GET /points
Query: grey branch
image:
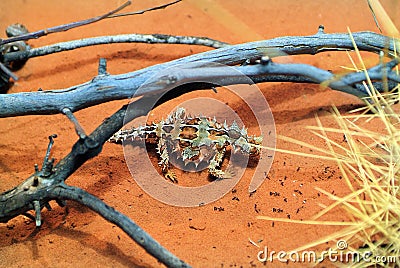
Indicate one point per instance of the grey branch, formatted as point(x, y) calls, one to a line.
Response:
point(123, 38)
point(127, 225)
point(104, 88)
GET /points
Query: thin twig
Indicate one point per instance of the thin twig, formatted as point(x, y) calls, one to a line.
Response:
point(144, 10)
point(373, 15)
point(64, 27)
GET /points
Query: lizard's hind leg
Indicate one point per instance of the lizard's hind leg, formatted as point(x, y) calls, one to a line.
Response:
point(214, 167)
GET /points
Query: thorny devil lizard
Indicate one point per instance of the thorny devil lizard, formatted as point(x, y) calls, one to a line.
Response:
point(193, 140)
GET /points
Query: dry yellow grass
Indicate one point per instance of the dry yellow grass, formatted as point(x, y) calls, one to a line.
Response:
point(370, 165)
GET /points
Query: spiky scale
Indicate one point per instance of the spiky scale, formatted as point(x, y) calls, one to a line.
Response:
point(189, 153)
point(225, 125)
point(243, 132)
point(235, 126)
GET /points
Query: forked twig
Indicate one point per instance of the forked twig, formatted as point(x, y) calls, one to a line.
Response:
point(61, 28)
point(69, 26)
point(145, 10)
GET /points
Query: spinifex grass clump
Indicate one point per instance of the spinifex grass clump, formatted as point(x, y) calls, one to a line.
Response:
point(370, 164)
point(371, 167)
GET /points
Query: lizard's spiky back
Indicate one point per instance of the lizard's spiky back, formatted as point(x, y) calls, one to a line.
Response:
point(193, 140)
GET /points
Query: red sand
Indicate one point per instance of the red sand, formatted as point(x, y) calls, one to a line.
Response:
point(202, 236)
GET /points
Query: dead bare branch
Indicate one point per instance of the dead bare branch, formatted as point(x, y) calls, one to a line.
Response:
point(123, 38)
point(105, 88)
